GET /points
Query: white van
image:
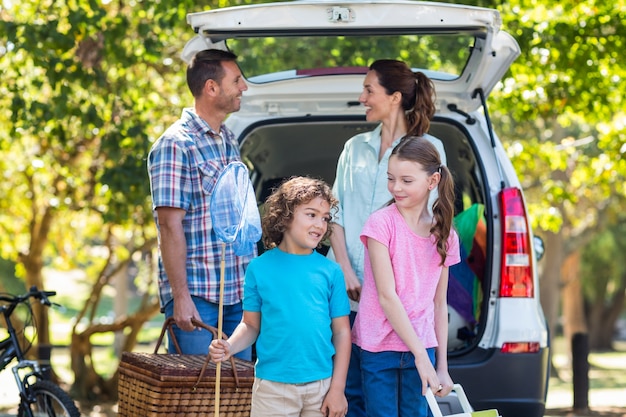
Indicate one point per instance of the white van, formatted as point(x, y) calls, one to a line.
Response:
point(305, 61)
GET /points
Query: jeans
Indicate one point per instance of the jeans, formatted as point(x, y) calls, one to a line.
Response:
point(354, 386)
point(197, 342)
point(391, 384)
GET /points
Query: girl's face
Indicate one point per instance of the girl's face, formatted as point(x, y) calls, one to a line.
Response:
point(378, 104)
point(308, 227)
point(409, 183)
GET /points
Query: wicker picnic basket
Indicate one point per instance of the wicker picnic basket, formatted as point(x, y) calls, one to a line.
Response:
point(153, 384)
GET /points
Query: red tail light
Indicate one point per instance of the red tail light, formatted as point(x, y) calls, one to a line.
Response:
point(520, 347)
point(517, 260)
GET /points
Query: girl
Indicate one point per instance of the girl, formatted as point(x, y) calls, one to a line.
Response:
point(296, 309)
point(402, 322)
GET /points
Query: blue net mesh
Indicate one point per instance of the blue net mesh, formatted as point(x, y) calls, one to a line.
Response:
point(234, 211)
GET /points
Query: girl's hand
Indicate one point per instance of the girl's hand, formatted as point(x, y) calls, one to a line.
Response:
point(445, 382)
point(219, 350)
point(427, 373)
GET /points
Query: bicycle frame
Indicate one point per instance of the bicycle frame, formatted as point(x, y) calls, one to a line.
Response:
point(10, 349)
point(37, 395)
point(24, 381)
point(7, 352)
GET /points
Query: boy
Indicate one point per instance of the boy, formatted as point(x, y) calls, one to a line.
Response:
point(296, 309)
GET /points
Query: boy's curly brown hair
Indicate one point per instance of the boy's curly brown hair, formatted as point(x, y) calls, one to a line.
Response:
point(280, 206)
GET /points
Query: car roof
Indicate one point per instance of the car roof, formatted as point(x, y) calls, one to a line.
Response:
point(461, 48)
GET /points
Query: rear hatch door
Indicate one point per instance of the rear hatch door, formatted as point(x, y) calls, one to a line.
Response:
point(310, 56)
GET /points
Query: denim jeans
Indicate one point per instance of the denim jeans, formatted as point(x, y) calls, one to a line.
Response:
point(354, 385)
point(391, 384)
point(197, 342)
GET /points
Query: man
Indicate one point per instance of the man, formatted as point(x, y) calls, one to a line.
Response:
point(183, 165)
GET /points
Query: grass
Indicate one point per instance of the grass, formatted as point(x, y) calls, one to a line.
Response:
point(72, 290)
point(72, 298)
point(607, 372)
point(607, 380)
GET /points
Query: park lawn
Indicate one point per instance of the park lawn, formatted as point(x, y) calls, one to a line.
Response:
point(607, 377)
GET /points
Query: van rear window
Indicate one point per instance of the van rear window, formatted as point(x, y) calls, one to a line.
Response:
point(442, 56)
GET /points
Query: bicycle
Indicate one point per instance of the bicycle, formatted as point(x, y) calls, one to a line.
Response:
point(38, 396)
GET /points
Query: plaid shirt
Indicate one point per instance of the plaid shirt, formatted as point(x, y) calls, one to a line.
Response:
point(184, 164)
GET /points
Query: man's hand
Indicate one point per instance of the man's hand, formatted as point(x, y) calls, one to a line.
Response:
point(184, 311)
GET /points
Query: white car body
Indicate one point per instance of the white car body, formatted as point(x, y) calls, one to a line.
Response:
point(294, 121)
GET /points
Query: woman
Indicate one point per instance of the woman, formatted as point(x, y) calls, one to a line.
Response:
point(403, 102)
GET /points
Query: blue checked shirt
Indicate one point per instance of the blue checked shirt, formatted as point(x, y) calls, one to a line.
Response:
point(183, 165)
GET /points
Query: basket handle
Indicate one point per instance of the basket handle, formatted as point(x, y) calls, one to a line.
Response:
point(167, 326)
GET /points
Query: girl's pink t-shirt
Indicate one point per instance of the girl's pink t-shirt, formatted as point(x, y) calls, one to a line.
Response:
point(417, 269)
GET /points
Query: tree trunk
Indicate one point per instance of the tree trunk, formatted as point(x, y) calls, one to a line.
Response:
point(88, 384)
point(33, 264)
point(574, 320)
point(549, 281)
point(120, 305)
point(603, 317)
point(575, 330)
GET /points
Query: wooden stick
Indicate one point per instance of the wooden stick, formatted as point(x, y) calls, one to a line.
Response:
point(220, 320)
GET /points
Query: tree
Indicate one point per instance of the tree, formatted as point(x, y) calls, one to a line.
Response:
point(561, 115)
point(86, 88)
point(604, 282)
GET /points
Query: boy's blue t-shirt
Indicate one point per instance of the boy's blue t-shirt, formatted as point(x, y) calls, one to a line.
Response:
point(297, 296)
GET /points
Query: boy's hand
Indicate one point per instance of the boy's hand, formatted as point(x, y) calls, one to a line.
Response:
point(219, 350)
point(335, 404)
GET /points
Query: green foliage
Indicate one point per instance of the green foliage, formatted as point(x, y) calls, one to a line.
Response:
point(89, 86)
point(9, 283)
point(560, 110)
point(265, 55)
point(601, 273)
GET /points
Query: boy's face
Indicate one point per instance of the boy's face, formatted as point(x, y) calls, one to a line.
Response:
point(308, 227)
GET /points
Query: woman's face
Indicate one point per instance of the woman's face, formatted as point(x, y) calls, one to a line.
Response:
point(378, 104)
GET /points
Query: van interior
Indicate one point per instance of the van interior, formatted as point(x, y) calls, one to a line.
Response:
point(278, 149)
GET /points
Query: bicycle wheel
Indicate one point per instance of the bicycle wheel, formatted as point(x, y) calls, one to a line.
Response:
point(50, 400)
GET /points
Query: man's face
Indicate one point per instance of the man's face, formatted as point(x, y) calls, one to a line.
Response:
point(231, 88)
